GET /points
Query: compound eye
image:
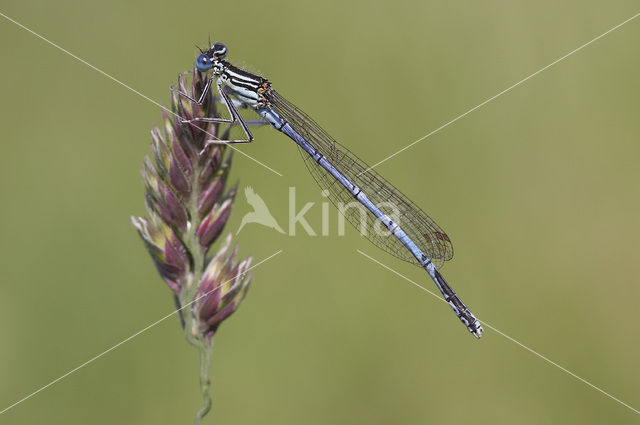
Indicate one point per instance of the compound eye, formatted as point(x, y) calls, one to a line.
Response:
point(203, 63)
point(219, 50)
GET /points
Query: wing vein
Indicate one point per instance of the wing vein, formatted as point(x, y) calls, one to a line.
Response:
point(424, 232)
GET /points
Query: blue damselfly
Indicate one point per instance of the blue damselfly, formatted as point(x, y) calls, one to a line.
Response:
point(411, 234)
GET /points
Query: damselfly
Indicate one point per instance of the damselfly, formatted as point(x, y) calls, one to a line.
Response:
point(410, 234)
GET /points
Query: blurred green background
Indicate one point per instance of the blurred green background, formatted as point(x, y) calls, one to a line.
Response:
point(538, 191)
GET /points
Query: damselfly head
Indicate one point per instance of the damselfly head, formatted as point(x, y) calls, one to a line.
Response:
point(217, 51)
point(208, 59)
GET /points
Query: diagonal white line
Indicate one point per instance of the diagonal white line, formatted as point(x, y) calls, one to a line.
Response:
point(503, 91)
point(91, 360)
point(531, 350)
point(128, 87)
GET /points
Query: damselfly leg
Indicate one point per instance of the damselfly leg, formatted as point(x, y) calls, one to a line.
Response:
point(235, 117)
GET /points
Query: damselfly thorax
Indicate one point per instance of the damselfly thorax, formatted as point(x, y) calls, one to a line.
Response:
point(248, 88)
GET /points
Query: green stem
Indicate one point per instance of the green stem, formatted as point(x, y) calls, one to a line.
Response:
point(206, 349)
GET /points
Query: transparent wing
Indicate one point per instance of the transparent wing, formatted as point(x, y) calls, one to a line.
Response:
point(424, 232)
